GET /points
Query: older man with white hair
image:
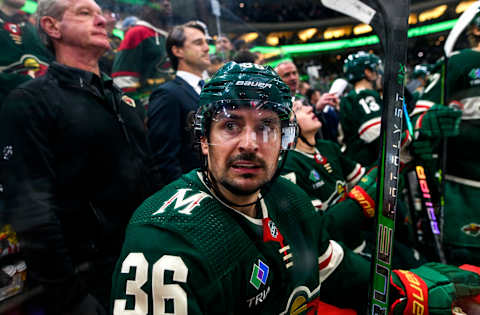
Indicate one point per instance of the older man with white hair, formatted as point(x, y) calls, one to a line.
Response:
point(75, 163)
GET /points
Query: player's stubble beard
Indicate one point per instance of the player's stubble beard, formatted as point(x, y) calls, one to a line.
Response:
point(230, 185)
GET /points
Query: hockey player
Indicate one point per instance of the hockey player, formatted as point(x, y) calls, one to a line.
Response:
point(360, 110)
point(434, 120)
point(233, 238)
point(23, 55)
point(334, 183)
point(141, 63)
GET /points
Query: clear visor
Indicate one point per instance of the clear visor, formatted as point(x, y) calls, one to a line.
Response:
point(252, 124)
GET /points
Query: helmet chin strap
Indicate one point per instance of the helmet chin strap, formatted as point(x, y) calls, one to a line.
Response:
point(300, 135)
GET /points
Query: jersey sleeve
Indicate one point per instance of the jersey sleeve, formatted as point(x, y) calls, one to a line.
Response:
point(151, 277)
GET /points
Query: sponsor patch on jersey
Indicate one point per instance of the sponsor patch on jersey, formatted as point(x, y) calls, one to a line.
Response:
point(259, 274)
point(472, 229)
point(314, 176)
point(474, 74)
point(130, 102)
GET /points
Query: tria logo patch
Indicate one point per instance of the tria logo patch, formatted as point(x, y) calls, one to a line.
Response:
point(474, 73)
point(259, 274)
point(314, 176)
point(472, 229)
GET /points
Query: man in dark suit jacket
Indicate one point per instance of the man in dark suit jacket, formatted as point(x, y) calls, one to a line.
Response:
point(174, 102)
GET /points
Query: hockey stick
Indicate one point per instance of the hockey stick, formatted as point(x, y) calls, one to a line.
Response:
point(389, 19)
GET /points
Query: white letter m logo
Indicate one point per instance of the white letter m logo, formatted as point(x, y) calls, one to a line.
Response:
point(187, 204)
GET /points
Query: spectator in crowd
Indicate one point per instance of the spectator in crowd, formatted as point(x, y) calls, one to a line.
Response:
point(260, 58)
point(75, 163)
point(172, 104)
point(23, 55)
point(287, 70)
point(245, 55)
point(303, 88)
point(141, 63)
point(215, 63)
point(224, 48)
point(106, 62)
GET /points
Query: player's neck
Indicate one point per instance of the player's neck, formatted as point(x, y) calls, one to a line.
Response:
point(364, 84)
point(304, 147)
point(251, 210)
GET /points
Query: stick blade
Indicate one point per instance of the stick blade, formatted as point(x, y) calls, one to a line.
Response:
point(461, 24)
point(354, 8)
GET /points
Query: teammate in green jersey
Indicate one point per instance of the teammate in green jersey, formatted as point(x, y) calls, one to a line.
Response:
point(360, 110)
point(460, 124)
point(233, 238)
point(334, 183)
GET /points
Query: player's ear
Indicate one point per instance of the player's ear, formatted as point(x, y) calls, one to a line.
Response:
point(51, 27)
point(204, 145)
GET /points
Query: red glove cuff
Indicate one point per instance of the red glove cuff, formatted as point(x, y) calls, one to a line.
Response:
point(416, 292)
point(475, 269)
point(364, 200)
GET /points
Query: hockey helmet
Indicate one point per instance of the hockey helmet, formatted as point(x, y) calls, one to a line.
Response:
point(246, 85)
point(420, 71)
point(355, 64)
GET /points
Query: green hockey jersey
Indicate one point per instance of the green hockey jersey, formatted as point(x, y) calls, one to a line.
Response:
point(360, 117)
point(141, 63)
point(325, 176)
point(23, 55)
point(462, 174)
point(187, 252)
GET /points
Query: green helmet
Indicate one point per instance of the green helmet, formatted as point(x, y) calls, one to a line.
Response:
point(355, 64)
point(421, 70)
point(246, 85)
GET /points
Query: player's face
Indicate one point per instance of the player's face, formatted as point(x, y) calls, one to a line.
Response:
point(289, 74)
point(243, 149)
point(84, 26)
point(306, 118)
point(223, 44)
point(195, 49)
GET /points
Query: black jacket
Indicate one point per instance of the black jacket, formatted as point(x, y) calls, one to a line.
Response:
point(75, 167)
point(170, 113)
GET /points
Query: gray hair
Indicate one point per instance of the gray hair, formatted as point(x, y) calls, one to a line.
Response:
point(53, 8)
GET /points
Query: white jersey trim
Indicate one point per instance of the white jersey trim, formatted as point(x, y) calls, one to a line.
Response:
point(335, 253)
point(463, 181)
point(291, 177)
point(355, 176)
point(369, 131)
point(126, 82)
point(421, 106)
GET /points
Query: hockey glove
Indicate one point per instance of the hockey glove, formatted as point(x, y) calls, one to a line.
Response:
point(365, 192)
point(439, 121)
point(432, 289)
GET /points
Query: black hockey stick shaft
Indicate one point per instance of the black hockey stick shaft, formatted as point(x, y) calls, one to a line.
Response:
point(389, 19)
